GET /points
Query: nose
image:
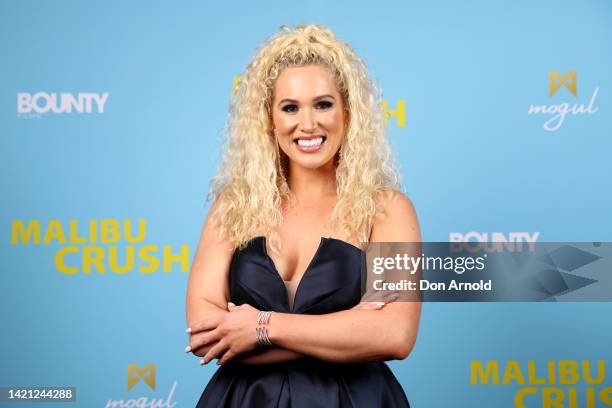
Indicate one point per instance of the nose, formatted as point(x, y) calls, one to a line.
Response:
point(308, 121)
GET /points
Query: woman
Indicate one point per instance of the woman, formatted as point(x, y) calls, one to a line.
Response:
point(275, 288)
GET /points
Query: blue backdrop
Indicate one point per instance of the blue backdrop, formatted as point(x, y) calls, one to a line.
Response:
point(482, 142)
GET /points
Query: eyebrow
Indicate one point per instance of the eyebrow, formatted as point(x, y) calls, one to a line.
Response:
point(314, 99)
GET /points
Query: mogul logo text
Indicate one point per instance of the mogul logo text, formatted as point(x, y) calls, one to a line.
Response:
point(558, 112)
point(65, 102)
point(147, 374)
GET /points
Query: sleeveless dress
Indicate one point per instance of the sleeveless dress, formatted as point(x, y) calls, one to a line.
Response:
point(331, 282)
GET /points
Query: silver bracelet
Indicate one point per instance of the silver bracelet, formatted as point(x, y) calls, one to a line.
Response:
point(261, 330)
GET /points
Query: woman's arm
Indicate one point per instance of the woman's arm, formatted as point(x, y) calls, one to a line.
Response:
point(275, 354)
point(349, 335)
point(207, 287)
point(208, 293)
point(358, 335)
point(270, 355)
point(267, 355)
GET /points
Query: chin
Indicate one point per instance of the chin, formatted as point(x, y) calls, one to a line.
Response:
point(313, 163)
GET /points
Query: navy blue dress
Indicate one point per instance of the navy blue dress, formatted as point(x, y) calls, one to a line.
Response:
point(331, 282)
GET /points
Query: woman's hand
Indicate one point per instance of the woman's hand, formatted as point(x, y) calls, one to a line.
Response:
point(195, 340)
point(226, 336)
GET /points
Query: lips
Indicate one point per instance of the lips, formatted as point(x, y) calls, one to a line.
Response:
point(312, 142)
point(308, 138)
point(309, 144)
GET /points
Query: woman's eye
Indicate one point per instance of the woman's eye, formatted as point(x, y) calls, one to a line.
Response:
point(321, 105)
point(289, 108)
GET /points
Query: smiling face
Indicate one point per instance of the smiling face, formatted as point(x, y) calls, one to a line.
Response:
point(309, 116)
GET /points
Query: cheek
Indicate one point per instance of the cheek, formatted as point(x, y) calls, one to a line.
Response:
point(335, 121)
point(284, 124)
point(284, 143)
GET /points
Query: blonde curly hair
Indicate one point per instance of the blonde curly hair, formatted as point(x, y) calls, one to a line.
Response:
point(250, 187)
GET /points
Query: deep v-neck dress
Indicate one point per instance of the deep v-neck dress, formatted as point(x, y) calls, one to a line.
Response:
point(330, 283)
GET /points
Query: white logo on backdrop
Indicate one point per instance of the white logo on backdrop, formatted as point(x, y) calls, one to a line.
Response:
point(556, 82)
point(144, 402)
point(65, 102)
point(559, 111)
point(495, 241)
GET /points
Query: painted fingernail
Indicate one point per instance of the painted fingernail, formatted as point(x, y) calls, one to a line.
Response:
point(187, 349)
point(188, 330)
point(230, 304)
point(202, 362)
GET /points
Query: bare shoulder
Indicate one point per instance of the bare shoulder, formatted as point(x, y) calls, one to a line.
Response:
point(211, 238)
point(214, 207)
point(398, 222)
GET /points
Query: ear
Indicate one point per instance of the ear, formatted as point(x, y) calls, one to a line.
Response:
point(347, 116)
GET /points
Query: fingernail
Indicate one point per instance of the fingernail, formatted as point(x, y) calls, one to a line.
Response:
point(188, 330)
point(202, 362)
point(230, 304)
point(187, 349)
point(380, 303)
point(218, 362)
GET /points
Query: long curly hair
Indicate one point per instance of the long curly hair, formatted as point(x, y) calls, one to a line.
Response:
point(250, 187)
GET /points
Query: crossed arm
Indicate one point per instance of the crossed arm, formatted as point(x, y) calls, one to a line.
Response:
point(345, 336)
point(200, 346)
point(368, 332)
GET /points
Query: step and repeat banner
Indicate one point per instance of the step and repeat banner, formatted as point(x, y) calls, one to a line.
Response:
point(111, 113)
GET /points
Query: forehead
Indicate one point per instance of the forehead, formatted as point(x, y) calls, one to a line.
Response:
point(303, 82)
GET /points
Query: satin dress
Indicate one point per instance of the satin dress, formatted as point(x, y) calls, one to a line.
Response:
point(331, 282)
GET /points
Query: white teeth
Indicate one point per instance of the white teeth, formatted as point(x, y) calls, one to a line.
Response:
point(311, 142)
